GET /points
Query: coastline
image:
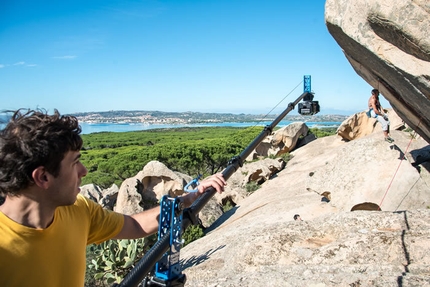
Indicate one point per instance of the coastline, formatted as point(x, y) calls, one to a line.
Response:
point(89, 128)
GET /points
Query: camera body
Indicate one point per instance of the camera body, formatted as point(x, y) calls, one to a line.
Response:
point(308, 106)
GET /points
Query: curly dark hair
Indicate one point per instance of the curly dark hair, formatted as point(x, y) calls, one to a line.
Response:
point(32, 138)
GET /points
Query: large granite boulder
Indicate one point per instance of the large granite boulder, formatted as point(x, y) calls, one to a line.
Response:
point(281, 141)
point(360, 248)
point(359, 125)
point(144, 190)
point(388, 45)
point(332, 246)
point(130, 195)
point(105, 197)
point(258, 172)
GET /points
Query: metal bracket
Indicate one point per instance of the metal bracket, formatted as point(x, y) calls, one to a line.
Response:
point(168, 266)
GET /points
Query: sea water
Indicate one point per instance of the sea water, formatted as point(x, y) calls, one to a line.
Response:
point(88, 128)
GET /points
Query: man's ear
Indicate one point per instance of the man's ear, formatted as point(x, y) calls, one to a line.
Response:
point(41, 177)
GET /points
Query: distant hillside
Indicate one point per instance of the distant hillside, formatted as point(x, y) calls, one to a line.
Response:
point(192, 117)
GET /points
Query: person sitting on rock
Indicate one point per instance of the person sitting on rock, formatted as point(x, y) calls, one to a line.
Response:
point(45, 223)
point(377, 112)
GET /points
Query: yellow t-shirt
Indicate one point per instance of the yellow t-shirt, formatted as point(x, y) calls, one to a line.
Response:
point(55, 256)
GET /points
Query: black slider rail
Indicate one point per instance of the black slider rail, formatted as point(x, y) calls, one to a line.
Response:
point(151, 257)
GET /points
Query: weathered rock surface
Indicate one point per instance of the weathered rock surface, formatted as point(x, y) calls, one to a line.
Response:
point(388, 45)
point(360, 248)
point(105, 197)
point(359, 125)
point(144, 190)
point(257, 172)
point(281, 141)
point(258, 243)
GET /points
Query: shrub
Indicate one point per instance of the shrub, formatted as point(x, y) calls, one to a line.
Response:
point(251, 186)
point(286, 157)
point(227, 206)
point(111, 260)
point(90, 281)
point(192, 233)
point(319, 133)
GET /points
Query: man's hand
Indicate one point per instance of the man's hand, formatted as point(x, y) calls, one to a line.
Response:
point(145, 223)
point(216, 181)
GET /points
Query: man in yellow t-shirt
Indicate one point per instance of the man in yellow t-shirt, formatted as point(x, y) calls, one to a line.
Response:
point(45, 224)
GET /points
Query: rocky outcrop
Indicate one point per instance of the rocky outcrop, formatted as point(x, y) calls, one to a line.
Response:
point(146, 189)
point(285, 139)
point(333, 246)
point(388, 45)
point(160, 180)
point(360, 248)
point(360, 125)
point(105, 197)
point(281, 141)
point(383, 242)
point(257, 172)
point(130, 196)
point(210, 213)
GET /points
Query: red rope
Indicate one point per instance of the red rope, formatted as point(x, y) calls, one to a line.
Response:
point(404, 154)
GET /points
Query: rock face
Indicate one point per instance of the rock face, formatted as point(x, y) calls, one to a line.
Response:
point(258, 243)
point(257, 172)
point(281, 141)
point(360, 248)
point(388, 45)
point(144, 190)
point(359, 125)
point(106, 198)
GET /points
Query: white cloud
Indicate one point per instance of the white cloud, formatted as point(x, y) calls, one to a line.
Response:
point(65, 57)
point(22, 63)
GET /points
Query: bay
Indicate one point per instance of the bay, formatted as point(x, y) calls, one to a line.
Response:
point(88, 128)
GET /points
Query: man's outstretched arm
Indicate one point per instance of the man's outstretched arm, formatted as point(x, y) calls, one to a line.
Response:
point(145, 223)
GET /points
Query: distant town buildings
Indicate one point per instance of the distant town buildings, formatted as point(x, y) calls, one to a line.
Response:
point(157, 117)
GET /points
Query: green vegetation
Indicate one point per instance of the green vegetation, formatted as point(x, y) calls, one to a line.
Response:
point(411, 132)
point(286, 157)
point(319, 133)
point(110, 261)
point(112, 157)
point(192, 233)
point(90, 273)
point(252, 186)
point(227, 206)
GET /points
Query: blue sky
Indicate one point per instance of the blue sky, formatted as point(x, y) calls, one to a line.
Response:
point(201, 56)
